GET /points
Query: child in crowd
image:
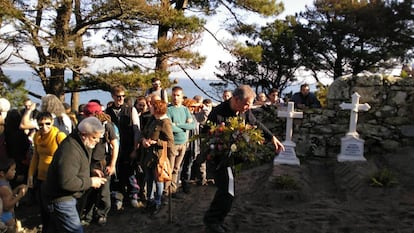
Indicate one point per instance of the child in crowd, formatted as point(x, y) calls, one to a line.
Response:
point(10, 197)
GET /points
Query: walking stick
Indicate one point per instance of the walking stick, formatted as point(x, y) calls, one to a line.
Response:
point(169, 205)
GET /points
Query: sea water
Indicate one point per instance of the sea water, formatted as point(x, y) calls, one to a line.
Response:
point(201, 87)
point(33, 84)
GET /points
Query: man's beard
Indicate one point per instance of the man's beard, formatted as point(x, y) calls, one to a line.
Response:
point(88, 144)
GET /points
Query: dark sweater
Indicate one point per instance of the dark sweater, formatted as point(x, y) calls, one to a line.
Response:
point(69, 173)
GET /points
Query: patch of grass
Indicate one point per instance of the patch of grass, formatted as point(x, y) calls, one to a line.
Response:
point(285, 182)
point(383, 178)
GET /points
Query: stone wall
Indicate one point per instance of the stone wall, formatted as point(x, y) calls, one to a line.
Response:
point(388, 125)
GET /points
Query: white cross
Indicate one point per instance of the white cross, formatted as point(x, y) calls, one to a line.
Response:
point(355, 107)
point(290, 114)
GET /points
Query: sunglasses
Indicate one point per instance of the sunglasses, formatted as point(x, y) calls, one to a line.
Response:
point(120, 96)
point(46, 123)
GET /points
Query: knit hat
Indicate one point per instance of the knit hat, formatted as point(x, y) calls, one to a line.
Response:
point(92, 108)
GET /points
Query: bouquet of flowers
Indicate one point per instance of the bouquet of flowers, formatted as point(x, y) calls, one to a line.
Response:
point(233, 137)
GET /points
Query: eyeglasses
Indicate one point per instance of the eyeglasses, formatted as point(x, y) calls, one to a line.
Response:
point(43, 124)
point(156, 83)
point(120, 96)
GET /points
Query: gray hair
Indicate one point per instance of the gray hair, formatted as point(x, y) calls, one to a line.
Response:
point(51, 103)
point(243, 92)
point(90, 125)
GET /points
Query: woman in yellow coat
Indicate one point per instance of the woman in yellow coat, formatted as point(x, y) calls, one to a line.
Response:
point(46, 141)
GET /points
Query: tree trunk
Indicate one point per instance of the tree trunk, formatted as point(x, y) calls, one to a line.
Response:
point(161, 62)
point(57, 50)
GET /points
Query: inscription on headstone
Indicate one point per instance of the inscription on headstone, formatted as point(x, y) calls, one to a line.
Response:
point(352, 147)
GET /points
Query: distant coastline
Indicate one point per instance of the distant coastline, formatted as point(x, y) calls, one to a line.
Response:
point(33, 84)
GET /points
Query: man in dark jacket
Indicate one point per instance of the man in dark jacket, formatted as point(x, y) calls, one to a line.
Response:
point(238, 105)
point(69, 176)
point(305, 99)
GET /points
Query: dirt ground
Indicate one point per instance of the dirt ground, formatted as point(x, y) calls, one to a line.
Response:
point(331, 198)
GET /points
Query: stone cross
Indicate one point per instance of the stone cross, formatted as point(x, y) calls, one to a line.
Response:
point(352, 147)
point(290, 114)
point(288, 156)
point(355, 107)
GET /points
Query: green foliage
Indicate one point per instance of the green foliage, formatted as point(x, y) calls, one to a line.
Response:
point(270, 62)
point(253, 53)
point(285, 182)
point(264, 7)
point(134, 80)
point(384, 178)
point(347, 37)
point(13, 91)
point(233, 138)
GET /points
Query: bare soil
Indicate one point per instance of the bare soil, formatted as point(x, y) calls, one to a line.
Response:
point(331, 197)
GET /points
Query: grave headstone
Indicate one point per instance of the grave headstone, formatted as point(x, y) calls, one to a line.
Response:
point(352, 147)
point(289, 155)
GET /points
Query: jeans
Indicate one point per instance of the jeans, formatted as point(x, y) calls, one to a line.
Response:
point(64, 217)
point(159, 186)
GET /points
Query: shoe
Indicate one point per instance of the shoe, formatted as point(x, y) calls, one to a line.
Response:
point(102, 221)
point(85, 223)
point(118, 204)
point(214, 228)
point(156, 210)
point(119, 197)
point(136, 203)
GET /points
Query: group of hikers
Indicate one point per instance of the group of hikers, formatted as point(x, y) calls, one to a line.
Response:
point(133, 151)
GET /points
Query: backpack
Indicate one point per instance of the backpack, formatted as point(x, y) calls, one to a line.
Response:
point(163, 169)
point(58, 123)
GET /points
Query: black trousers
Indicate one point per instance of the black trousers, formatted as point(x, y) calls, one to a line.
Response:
point(223, 199)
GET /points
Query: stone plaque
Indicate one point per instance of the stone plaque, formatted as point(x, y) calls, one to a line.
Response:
point(287, 157)
point(352, 149)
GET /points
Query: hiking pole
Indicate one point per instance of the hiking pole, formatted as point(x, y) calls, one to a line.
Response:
point(169, 205)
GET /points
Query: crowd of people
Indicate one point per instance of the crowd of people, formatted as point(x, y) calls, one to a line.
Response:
point(134, 151)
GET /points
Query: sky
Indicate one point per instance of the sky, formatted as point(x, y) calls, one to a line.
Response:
point(214, 52)
point(208, 46)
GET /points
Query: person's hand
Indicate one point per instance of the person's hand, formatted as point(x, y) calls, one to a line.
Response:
point(110, 170)
point(278, 145)
point(97, 181)
point(22, 190)
point(32, 107)
point(146, 142)
point(98, 173)
point(30, 181)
